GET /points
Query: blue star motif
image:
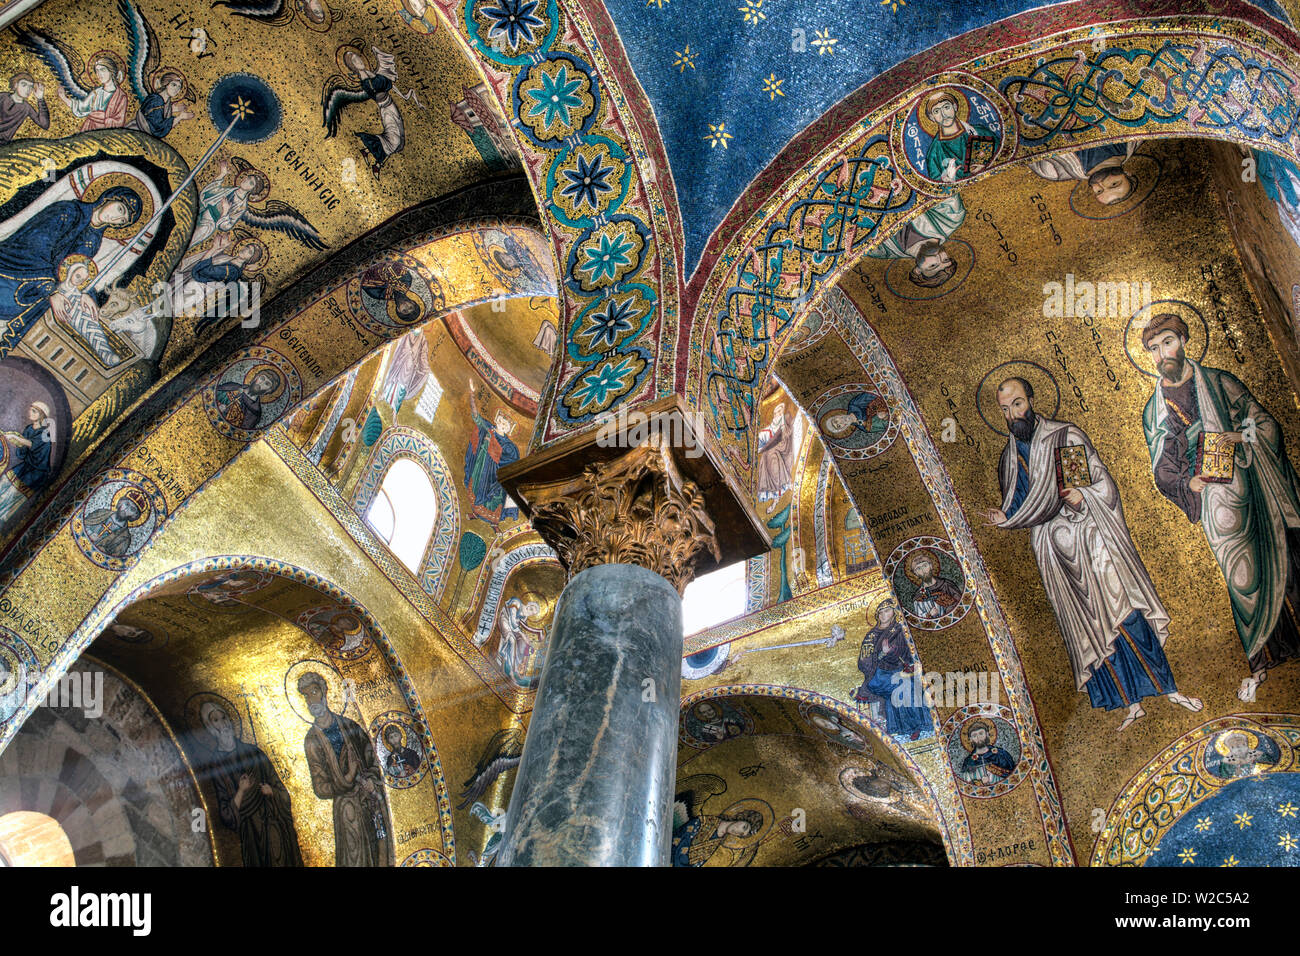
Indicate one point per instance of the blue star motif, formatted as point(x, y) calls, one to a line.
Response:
point(608, 324)
point(604, 261)
point(515, 19)
point(586, 181)
point(597, 385)
point(556, 97)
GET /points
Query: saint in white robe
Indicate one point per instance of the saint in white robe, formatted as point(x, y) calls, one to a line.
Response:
point(1093, 575)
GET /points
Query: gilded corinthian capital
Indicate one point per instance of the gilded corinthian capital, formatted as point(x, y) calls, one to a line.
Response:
point(634, 509)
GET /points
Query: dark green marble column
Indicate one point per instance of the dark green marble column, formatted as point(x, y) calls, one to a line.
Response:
point(595, 785)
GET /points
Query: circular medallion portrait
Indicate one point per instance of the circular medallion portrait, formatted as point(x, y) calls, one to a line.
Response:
point(395, 294)
point(132, 635)
point(19, 670)
point(1241, 752)
point(251, 393)
point(512, 261)
point(867, 781)
point(228, 591)
point(811, 329)
point(855, 421)
point(398, 749)
point(118, 517)
point(929, 582)
point(704, 663)
point(954, 131)
point(339, 631)
point(710, 722)
point(835, 727)
point(926, 267)
point(984, 750)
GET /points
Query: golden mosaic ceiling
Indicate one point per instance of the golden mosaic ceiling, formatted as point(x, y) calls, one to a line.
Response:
point(416, 304)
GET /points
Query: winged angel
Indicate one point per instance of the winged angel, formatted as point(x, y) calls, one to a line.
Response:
point(342, 91)
point(315, 14)
point(101, 103)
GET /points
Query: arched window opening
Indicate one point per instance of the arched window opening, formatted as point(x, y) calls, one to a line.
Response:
point(713, 598)
point(404, 512)
point(28, 838)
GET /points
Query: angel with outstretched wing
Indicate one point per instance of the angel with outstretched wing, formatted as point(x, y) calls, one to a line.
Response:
point(163, 92)
point(341, 91)
point(503, 752)
point(101, 103)
point(222, 207)
point(315, 14)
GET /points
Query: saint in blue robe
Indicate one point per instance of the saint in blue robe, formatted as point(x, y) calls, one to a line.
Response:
point(155, 116)
point(993, 764)
point(32, 464)
point(888, 677)
point(488, 451)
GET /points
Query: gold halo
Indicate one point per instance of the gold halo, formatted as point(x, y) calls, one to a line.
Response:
point(311, 24)
point(1084, 204)
point(1220, 742)
point(118, 65)
point(1043, 382)
point(265, 366)
point(707, 784)
point(862, 769)
point(935, 555)
point(140, 498)
point(383, 734)
point(194, 716)
point(356, 619)
point(545, 605)
point(764, 809)
point(1198, 333)
point(858, 424)
point(236, 576)
point(333, 688)
point(71, 262)
point(155, 81)
point(96, 188)
point(257, 266)
point(821, 423)
point(356, 46)
point(963, 108)
point(241, 168)
point(898, 273)
point(872, 611)
point(985, 722)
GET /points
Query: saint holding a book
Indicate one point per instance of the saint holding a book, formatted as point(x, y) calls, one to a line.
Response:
point(1244, 494)
point(1113, 622)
